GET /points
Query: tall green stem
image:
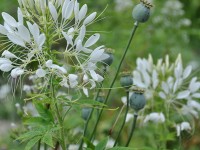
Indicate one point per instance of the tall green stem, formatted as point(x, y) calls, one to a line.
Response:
point(59, 117)
point(133, 128)
point(123, 123)
point(115, 77)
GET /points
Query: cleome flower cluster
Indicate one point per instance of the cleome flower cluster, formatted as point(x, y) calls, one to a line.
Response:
point(172, 91)
point(29, 41)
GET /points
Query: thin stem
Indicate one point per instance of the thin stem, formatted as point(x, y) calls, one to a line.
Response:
point(39, 144)
point(118, 69)
point(60, 120)
point(133, 128)
point(127, 107)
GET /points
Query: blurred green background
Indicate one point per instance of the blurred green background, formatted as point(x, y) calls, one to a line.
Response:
point(173, 28)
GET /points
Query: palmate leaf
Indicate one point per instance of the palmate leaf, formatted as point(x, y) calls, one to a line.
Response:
point(102, 144)
point(30, 134)
point(48, 139)
point(32, 142)
point(44, 112)
point(35, 121)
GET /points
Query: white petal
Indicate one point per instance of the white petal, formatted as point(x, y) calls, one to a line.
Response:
point(82, 12)
point(183, 94)
point(41, 40)
point(64, 7)
point(90, 18)
point(165, 87)
point(85, 78)
point(40, 73)
point(124, 100)
point(187, 72)
point(185, 126)
point(8, 54)
point(194, 87)
point(162, 95)
point(3, 30)
point(16, 40)
point(93, 84)
point(85, 91)
point(93, 75)
point(100, 78)
point(49, 63)
point(196, 95)
point(5, 61)
point(24, 33)
point(96, 54)
point(68, 39)
point(9, 19)
point(76, 10)
point(92, 40)
point(53, 11)
point(129, 117)
point(6, 67)
point(20, 16)
point(17, 72)
point(69, 10)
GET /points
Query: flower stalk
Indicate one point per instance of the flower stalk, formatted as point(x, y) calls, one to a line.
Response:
point(115, 77)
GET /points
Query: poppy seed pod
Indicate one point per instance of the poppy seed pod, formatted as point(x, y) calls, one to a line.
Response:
point(141, 12)
point(137, 101)
point(108, 61)
point(126, 80)
point(86, 113)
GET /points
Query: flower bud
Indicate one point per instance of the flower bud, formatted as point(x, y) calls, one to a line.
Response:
point(137, 101)
point(108, 61)
point(86, 113)
point(141, 12)
point(126, 80)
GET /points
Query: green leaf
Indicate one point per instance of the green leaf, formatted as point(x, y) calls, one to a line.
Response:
point(32, 142)
point(29, 135)
point(89, 144)
point(102, 144)
point(48, 139)
point(44, 112)
point(128, 148)
point(35, 121)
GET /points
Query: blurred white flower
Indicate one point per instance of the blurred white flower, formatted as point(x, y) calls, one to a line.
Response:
point(184, 126)
point(4, 91)
point(155, 117)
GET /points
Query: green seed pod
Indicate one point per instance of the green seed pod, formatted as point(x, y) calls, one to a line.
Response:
point(86, 113)
point(141, 12)
point(137, 101)
point(126, 80)
point(109, 60)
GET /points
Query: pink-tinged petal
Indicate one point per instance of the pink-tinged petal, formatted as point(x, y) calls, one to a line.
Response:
point(82, 12)
point(8, 54)
point(90, 18)
point(187, 72)
point(183, 94)
point(6, 67)
point(53, 11)
point(16, 40)
point(24, 33)
point(3, 30)
point(9, 19)
point(92, 40)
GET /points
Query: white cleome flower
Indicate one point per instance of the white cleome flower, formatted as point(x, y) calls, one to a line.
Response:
point(184, 126)
point(155, 118)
